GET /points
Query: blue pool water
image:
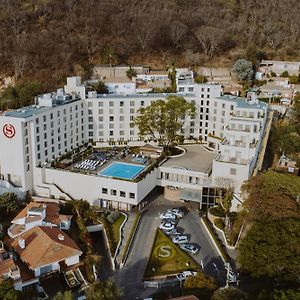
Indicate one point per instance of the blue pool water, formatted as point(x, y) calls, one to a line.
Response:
point(122, 170)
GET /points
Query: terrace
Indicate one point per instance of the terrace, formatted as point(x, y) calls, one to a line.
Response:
point(122, 163)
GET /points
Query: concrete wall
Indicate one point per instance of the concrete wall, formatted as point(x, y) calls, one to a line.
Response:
point(72, 260)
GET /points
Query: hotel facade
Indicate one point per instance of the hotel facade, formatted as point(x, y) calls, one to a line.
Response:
point(230, 128)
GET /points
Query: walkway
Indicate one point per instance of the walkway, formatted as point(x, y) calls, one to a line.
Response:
point(126, 233)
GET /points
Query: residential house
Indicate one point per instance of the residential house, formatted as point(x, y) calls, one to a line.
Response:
point(38, 214)
point(46, 249)
point(278, 67)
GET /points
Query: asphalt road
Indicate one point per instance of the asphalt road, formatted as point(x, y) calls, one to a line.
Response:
point(131, 276)
point(207, 255)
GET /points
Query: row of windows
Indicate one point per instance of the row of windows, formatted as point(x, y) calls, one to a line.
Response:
point(115, 193)
point(121, 103)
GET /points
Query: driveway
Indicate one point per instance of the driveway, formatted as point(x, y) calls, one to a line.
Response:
point(208, 255)
point(131, 276)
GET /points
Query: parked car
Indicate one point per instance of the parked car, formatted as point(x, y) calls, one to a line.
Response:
point(168, 216)
point(180, 239)
point(189, 248)
point(173, 232)
point(174, 222)
point(185, 274)
point(177, 212)
point(167, 226)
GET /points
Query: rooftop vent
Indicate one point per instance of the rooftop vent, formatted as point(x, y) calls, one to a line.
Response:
point(61, 237)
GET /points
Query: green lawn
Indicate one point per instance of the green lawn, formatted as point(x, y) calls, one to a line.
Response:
point(116, 228)
point(167, 258)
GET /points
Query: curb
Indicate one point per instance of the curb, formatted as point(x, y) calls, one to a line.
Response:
point(120, 237)
point(123, 262)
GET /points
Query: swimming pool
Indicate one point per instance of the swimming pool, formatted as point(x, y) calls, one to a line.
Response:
point(122, 170)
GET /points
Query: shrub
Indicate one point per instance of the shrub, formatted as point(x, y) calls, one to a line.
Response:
point(217, 211)
point(112, 217)
point(219, 223)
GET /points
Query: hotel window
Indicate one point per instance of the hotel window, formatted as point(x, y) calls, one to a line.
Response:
point(131, 132)
point(37, 130)
point(131, 103)
point(111, 125)
point(208, 90)
point(142, 103)
point(191, 89)
point(100, 111)
point(90, 111)
point(104, 190)
point(91, 126)
point(121, 111)
point(131, 125)
point(111, 103)
point(100, 104)
point(122, 132)
point(122, 194)
point(90, 119)
point(231, 107)
point(132, 110)
point(223, 105)
point(100, 125)
point(100, 133)
point(131, 195)
point(111, 111)
point(232, 171)
point(36, 121)
point(181, 89)
point(51, 116)
point(44, 118)
point(113, 192)
point(90, 104)
point(122, 103)
point(111, 118)
point(111, 133)
point(121, 118)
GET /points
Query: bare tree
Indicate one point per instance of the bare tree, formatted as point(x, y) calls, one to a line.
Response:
point(177, 32)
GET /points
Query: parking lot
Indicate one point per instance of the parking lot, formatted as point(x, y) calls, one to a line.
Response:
point(131, 276)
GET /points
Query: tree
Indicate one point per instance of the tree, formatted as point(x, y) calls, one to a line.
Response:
point(272, 249)
point(100, 87)
point(243, 70)
point(177, 32)
point(163, 119)
point(285, 74)
point(290, 143)
point(272, 196)
point(131, 72)
point(200, 281)
point(200, 78)
point(66, 295)
point(8, 292)
point(105, 290)
point(229, 293)
point(9, 202)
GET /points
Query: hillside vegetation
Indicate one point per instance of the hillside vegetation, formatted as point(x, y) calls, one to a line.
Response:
point(49, 39)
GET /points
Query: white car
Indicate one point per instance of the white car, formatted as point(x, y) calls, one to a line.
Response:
point(177, 212)
point(189, 248)
point(168, 216)
point(185, 274)
point(166, 226)
point(173, 232)
point(180, 239)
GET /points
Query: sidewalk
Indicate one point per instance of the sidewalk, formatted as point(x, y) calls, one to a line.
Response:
point(125, 235)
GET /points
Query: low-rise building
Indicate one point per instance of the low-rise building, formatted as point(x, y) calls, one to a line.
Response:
point(38, 214)
point(46, 249)
point(278, 67)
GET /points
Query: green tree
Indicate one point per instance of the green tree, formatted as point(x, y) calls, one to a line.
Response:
point(243, 70)
point(100, 87)
point(20, 95)
point(272, 196)
point(131, 72)
point(105, 290)
point(286, 295)
point(67, 295)
point(8, 292)
point(229, 293)
point(285, 74)
point(290, 143)
point(200, 78)
point(9, 202)
point(272, 249)
point(200, 281)
point(163, 119)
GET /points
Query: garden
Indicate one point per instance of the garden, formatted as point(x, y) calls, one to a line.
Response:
point(167, 258)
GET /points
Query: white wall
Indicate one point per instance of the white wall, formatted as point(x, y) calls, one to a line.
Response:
point(72, 260)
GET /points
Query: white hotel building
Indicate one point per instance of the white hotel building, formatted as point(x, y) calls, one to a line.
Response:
point(60, 122)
